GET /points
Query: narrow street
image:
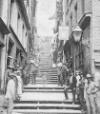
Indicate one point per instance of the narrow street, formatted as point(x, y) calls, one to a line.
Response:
point(46, 97)
point(49, 57)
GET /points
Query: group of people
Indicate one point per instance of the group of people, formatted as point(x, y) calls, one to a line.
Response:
point(92, 93)
point(62, 72)
point(85, 89)
point(13, 90)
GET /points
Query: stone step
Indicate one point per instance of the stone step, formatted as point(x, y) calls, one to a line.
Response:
point(47, 111)
point(48, 70)
point(43, 87)
point(52, 75)
point(46, 62)
point(68, 101)
point(47, 83)
point(52, 78)
point(47, 76)
point(45, 90)
point(46, 106)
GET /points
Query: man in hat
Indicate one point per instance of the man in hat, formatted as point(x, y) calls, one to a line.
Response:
point(97, 84)
point(90, 94)
point(11, 91)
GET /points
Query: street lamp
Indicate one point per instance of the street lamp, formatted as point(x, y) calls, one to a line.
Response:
point(77, 32)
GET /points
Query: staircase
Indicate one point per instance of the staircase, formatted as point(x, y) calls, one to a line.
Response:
point(48, 75)
point(46, 100)
point(46, 97)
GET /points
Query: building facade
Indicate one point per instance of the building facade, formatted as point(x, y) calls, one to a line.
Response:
point(85, 53)
point(15, 30)
point(31, 6)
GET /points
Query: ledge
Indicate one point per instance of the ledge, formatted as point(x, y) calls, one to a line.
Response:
point(3, 27)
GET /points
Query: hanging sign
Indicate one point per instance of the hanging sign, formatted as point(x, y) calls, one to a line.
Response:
point(63, 33)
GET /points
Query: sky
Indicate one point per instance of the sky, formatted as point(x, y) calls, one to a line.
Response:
point(45, 10)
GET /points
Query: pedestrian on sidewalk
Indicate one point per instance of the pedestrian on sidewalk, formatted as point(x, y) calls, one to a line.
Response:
point(11, 92)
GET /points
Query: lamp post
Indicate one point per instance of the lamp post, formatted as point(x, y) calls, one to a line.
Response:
point(77, 34)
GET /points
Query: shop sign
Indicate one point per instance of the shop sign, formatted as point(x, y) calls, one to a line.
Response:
point(63, 33)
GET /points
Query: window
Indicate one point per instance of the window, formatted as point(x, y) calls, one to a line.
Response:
point(83, 5)
point(18, 16)
point(10, 51)
point(23, 27)
point(76, 13)
point(71, 23)
point(11, 10)
point(12, 1)
point(10, 47)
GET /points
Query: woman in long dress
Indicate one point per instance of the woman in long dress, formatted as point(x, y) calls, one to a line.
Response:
point(11, 92)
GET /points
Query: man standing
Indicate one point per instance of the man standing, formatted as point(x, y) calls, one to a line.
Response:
point(73, 82)
point(59, 67)
point(65, 73)
point(91, 95)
